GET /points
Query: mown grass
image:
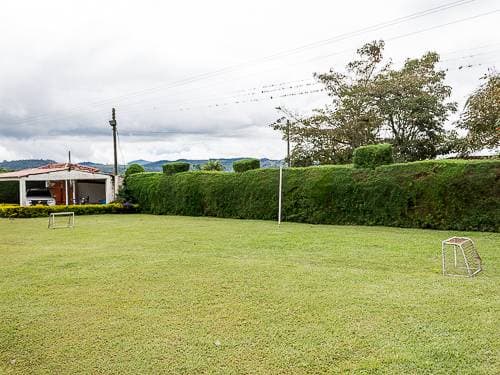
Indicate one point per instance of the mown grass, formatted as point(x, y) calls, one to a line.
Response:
point(157, 294)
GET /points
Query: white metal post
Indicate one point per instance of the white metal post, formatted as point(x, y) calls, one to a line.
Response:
point(66, 191)
point(280, 194)
point(443, 256)
point(22, 192)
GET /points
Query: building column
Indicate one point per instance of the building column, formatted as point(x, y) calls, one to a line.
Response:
point(109, 190)
point(22, 192)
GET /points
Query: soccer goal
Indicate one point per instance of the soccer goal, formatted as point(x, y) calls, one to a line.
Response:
point(65, 220)
point(460, 257)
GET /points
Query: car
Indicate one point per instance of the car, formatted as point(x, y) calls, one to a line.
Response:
point(40, 197)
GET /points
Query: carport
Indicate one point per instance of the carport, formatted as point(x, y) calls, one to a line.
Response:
point(68, 183)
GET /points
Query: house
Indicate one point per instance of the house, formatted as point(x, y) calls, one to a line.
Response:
point(68, 183)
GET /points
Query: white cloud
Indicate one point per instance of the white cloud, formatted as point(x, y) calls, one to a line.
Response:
point(62, 62)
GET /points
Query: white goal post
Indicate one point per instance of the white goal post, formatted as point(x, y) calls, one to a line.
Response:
point(68, 223)
point(280, 193)
point(460, 257)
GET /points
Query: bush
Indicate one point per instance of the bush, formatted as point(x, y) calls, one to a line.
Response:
point(455, 195)
point(212, 165)
point(246, 165)
point(372, 156)
point(133, 169)
point(44, 211)
point(175, 167)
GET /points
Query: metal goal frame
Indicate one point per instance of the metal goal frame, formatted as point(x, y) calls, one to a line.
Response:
point(466, 260)
point(70, 223)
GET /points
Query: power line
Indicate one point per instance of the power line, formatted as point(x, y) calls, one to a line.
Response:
point(295, 50)
point(418, 31)
point(254, 92)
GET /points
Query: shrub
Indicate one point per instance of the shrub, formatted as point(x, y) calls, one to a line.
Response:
point(451, 194)
point(246, 165)
point(212, 165)
point(44, 211)
point(175, 167)
point(372, 156)
point(133, 169)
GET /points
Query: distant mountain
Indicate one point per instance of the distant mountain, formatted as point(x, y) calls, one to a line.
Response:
point(15, 165)
point(106, 168)
point(140, 162)
point(149, 166)
point(156, 166)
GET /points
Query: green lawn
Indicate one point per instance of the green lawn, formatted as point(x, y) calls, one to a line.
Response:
point(157, 294)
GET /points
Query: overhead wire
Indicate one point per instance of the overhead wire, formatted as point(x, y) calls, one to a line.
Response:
point(295, 50)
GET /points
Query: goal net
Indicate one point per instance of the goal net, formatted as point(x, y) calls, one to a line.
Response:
point(460, 257)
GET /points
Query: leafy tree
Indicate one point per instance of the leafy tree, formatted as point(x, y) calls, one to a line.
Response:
point(412, 104)
point(133, 168)
point(212, 165)
point(481, 116)
point(373, 103)
point(124, 194)
point(332, 133)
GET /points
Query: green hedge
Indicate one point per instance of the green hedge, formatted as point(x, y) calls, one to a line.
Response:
point(9, 192)
point(246, 165)
point(44, 211)
point(372, 156)
point(456, 195)
point(175, 167)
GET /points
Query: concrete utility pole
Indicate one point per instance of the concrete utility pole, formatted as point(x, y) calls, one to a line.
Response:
point(112, 122)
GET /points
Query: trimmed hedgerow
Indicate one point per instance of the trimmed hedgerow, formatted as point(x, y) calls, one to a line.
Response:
point(455, 195)
point(372, 156)
point(9, 192)
point(246, 165)
point(175, 167)
point(43, 211)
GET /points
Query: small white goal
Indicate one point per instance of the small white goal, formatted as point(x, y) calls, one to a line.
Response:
point(460, 257)
point(66, 220)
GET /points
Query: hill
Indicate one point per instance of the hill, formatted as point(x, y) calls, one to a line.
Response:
point(14, 165)
point(150, 166)
point(156, 166)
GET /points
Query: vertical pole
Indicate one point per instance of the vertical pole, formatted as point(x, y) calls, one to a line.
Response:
point(443, 256)
point(113, 124)
point(67, 182)
point(279, 196)
point(115, 154)
point(288, 143)
point(66, 191)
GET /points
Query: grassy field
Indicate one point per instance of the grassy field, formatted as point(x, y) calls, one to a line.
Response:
point(155, 294)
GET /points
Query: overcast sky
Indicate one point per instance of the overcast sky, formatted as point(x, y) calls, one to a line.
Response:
point(173, 70)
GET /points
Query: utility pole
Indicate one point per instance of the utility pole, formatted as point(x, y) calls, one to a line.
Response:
point(288, 143)
point(112, 122)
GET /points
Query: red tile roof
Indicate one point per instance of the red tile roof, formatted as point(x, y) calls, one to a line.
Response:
point(49, 168)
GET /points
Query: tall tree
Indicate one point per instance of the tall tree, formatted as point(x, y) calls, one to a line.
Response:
point(371, 103)
point(481, 116)
point(331, 133)
point(413, 104)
